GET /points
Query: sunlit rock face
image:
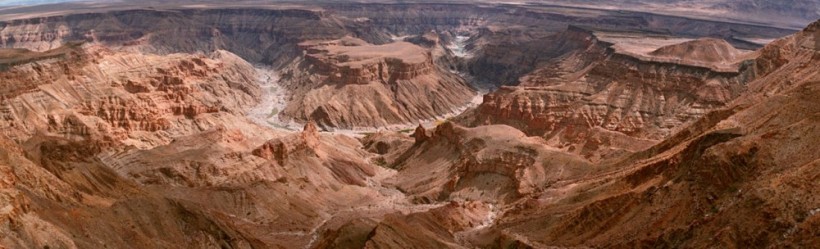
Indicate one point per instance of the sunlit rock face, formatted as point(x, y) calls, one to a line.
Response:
point(91, 91)
point(730, 159)
point(606, 95)
point(350, 83)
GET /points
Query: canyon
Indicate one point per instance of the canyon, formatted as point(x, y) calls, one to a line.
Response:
point(380, 124)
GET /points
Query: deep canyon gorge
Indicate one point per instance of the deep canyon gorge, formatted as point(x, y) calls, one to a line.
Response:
point(410, 124)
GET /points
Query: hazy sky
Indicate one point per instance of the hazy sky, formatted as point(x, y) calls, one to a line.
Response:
point(30, 2)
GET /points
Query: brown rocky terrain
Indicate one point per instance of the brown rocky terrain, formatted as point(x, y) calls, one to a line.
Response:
point(159, 139)
point(349, 83)
point(489, 163)
point(132, 127)
point(706, 51)
point(603, 96)
point(739, 177)
point(100, 93)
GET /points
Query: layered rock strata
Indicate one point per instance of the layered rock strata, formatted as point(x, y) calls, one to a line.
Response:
point(103, 93)
point(594, 99)
point(349, 83)
point(739, 176)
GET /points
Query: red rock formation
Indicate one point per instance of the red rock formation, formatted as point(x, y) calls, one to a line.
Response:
point(349, 83)
point(596, 91)
point(353, 61)
point(719, 182)
point(420, 134)
point(486, 163)
point(103, 92)
point(280, 149)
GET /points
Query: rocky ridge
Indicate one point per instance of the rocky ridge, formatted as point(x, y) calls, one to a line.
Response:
point(593, 96)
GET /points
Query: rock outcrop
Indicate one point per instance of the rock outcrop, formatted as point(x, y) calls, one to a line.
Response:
point(349, 83)
point(281, 149)
point(100, 92)
point(595, 100)
point(420, 134)
point(701, 51)
point(719, 182)
point(484, 163)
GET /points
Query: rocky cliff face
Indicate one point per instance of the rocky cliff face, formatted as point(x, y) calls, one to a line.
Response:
point(71, 114)
point(98, 92)
point(595, 97)
point(349, 83)
point(718, 183)
point(490, 163)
